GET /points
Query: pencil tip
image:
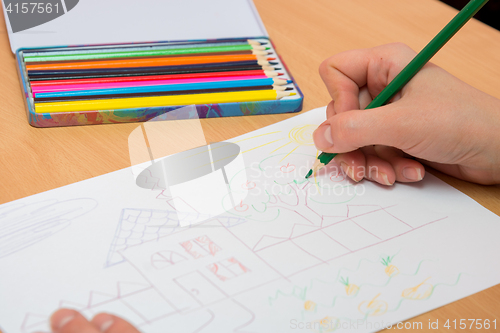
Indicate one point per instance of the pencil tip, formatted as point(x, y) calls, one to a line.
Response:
point(273, 62)
point(289, 81)
point(277, 68)
point(279, 74)
point(255, 42)
point(271, 59)
point(309, 173)
point(288, 88)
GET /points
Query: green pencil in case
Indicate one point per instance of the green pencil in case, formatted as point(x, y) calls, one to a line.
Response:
point(257, 50)
point(413, 67)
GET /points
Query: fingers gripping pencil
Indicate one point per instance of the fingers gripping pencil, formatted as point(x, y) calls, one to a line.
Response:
point(414, 66)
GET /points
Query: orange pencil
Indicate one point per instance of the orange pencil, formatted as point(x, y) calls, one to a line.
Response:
point(150, 62)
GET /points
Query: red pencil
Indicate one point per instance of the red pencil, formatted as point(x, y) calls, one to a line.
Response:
point(155, 77)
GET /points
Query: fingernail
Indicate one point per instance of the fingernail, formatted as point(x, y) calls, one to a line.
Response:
point(103, 321)
point(348, 170)
point(323, 137)
point(62, 317)
point(382, 178)
point(413, 174)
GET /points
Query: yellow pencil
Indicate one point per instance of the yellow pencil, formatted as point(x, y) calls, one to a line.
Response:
point(147, 102)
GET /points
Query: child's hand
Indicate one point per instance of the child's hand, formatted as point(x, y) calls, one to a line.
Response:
point(436, 118)
point(70, 321)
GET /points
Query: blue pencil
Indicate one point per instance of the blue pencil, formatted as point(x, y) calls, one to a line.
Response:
point(164, 88)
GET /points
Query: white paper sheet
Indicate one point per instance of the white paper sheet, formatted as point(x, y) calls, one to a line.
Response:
point(290, 257)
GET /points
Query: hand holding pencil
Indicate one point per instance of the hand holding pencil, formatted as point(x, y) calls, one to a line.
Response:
point(436, 118)
point(380, 78)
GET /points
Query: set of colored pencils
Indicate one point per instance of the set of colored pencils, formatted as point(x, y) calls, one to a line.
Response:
point(174, 74)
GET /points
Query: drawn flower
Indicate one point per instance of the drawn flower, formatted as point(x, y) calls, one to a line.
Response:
point(309, 306)
point(350, 289)
point(390, 270)
point(419, 292)
point(326, 324)
point(373, 307)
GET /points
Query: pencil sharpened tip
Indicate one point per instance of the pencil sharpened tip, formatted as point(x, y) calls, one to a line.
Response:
point(309, 174)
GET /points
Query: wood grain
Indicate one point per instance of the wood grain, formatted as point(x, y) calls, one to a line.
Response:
point(34, 160)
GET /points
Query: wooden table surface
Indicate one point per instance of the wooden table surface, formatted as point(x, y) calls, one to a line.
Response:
point(305, 33)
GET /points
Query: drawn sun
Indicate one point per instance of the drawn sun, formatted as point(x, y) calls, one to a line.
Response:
point(298, 136)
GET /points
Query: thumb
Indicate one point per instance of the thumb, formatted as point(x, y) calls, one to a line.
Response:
point(348, 131)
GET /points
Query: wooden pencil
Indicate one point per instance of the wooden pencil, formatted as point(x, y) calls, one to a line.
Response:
point(106, 90)
point(161, 73)
point(152, 62)
point(135, 47)
point(176, 100)
point(254, 49)
point(412, 68)
point(158, 93)
point(231, 66)
point(116, 85)
point(257, 53)
point(114, 79)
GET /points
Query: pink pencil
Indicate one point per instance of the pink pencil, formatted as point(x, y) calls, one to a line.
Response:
point(54, 88)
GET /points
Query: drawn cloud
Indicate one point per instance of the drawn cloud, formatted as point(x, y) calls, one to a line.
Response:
point(23, 225)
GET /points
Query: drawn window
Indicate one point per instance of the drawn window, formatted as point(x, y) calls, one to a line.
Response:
point(228, 269)
point(200, 247)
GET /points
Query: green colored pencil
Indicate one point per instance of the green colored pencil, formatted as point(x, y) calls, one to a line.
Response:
point(413, 67)
point(146, 53)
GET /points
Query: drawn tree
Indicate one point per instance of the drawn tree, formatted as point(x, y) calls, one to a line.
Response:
point(278, 183)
